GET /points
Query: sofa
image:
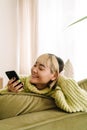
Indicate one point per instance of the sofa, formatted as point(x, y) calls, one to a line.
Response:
point(1, 82)
point(46, 120)
point(30, 111)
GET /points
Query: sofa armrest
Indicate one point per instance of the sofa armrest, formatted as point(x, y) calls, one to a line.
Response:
point(1, 82)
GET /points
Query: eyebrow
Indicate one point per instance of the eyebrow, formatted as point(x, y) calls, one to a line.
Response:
point(41, 64)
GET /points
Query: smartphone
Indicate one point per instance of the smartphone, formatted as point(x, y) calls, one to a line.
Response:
point(11, 74)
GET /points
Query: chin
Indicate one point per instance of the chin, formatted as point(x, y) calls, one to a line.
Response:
point(33, 81)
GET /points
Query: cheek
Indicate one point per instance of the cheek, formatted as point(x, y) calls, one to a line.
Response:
point(45, 77)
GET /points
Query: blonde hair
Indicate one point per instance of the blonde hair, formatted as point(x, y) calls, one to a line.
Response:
point(51, 61)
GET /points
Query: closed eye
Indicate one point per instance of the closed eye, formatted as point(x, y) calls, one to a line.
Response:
point(41, 68)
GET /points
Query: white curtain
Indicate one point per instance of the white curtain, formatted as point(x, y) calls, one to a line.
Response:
point(42, 28)
point(27, 34)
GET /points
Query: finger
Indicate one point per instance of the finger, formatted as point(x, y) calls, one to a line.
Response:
point(11, 88)
point(19, 87)
point(16, 83)
point(12, 85)
point(19, 90)
point(11, 81)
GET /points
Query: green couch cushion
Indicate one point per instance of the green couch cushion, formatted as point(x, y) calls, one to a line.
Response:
point(83, 84)
point(16, 104)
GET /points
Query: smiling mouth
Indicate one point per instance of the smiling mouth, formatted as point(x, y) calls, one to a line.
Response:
point(34, 76)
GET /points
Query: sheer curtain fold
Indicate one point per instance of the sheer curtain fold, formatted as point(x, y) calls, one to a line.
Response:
point(27, 34)
point(42, 28)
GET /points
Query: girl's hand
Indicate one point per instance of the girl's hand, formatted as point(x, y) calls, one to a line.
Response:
point(15, 86)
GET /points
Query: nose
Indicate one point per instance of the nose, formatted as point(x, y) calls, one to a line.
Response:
point(34, 69)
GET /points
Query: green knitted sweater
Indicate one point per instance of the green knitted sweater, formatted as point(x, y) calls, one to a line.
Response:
point(68, 95)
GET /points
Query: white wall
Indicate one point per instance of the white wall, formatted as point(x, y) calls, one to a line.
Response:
point(8, 36)
point(69, 39)
point(56, 37)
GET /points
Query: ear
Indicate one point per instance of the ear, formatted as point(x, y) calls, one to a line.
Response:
point(54, 76)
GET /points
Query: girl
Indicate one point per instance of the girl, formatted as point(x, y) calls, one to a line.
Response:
point(46, 79)
point(44, 73)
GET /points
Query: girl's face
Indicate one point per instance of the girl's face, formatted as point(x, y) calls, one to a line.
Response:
point(41, 73)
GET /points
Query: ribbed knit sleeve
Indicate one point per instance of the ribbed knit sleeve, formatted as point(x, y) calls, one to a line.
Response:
point(69, 96)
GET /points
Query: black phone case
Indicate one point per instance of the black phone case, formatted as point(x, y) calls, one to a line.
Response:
point(11, 74)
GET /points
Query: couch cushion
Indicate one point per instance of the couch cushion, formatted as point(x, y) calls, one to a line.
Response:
point(12, 104)
point(68, 70)
point(83, 84)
